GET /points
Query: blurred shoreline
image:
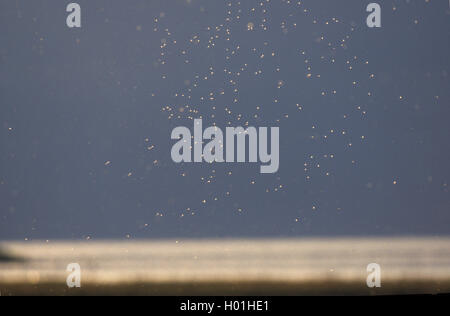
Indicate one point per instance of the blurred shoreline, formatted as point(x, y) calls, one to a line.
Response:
point(329, 266)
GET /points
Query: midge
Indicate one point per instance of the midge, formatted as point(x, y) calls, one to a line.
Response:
point(213, 151)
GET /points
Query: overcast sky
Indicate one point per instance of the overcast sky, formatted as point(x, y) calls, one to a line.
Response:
point(86, 116)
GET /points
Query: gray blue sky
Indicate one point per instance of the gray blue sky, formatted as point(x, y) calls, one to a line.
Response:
point(86, 116)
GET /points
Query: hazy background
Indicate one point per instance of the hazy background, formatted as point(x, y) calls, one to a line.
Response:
point(86, 116)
